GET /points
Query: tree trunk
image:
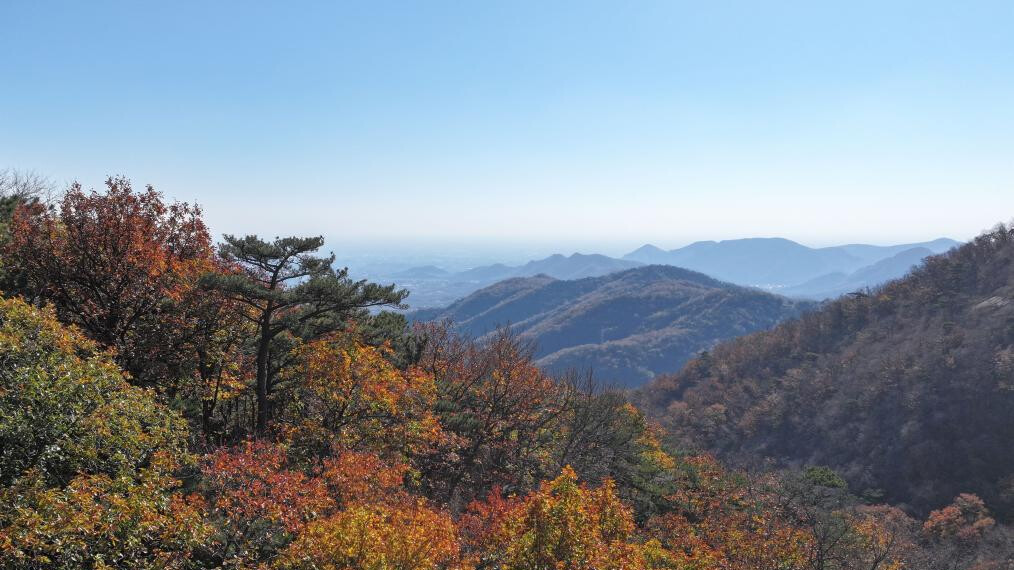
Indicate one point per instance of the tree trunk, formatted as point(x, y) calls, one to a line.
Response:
point(263, 346)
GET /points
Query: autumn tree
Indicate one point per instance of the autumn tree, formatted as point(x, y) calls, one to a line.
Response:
point(562, 525)
point(290, 291)
point(259, 501)
point(966, 519)
point(501, 414)
point(963, 535)
point(347, 511)
point(102, 522)
point(718, 519)
point(66, 409)
point(506, 422)
point(218, 397)
point(342, 394)
point(118, 265)
point(815, 501)
point(19, 188)
point(409, 536)
point(840, 532)
point(24, 185)
point(86, 460)
point(883, 538)
point(603, 436)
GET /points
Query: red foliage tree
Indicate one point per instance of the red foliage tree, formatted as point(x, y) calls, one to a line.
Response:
point(121, 265)
point(966, 520)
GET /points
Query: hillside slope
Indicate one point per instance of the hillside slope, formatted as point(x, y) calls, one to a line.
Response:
point(908, 392)
point(627, 326)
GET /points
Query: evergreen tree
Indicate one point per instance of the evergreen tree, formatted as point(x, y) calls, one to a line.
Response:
point(290, 290)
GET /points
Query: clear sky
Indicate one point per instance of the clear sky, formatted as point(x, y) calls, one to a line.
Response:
point(554, 122)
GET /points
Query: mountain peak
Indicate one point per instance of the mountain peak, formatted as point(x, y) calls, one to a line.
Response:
point(646, 249)
point(627, 325)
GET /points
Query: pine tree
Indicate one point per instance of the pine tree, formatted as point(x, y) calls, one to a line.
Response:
point(290, 290)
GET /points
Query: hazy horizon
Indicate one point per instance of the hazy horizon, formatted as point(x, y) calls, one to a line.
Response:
point(366, 259)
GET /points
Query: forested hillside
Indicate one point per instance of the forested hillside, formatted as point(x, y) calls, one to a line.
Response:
point(174, 404)
point(627, 326)
point(907, 391)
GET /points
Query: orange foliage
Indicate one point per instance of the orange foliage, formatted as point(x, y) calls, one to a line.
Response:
point(363, 477)
point(966, 519)
point(262, 501)
point(500, 414)
point(99, 521)
point(253, 484)
point(119, 265)
point(884, 536)
point(347, 395)
point(719, 522)
point(408, 536)
point(563, 525)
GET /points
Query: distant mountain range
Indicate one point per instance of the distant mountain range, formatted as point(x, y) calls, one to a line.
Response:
point(575, 266)
point(627, 326)
point(774, 264)
point(838, 283)
point(432, 286)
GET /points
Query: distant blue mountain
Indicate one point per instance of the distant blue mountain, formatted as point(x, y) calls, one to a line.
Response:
point(873, 253)
point(432, 286)
point(423, 272)
point(836, 284)
point(775, 263)
point(574, 266)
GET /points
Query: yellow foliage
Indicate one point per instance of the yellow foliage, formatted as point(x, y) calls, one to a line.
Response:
point(376, 537)
point(347, 394)
point(565, 526)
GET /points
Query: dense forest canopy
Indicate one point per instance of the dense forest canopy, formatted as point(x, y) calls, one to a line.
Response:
point(907, 390)
point(166, 402)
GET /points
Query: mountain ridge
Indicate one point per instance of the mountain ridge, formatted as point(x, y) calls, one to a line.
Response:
point(590, 323)
point(774, 262)
point(866, 277)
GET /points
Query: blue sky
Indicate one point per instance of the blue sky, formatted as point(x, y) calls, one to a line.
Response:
point(571, 123)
